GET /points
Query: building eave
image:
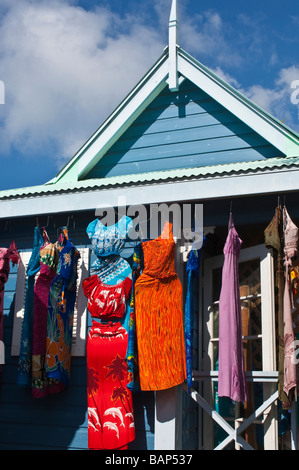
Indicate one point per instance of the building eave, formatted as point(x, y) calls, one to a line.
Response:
point(189, 184)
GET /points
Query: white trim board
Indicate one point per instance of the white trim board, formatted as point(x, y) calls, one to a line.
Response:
point(204, 189)
point(261, 122)
point(119, 121)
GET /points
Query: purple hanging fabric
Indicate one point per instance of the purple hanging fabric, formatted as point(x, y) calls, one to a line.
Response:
point(231, 375)
point(290, 251)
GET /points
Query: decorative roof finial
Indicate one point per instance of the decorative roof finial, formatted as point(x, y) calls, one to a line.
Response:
point(172, 48)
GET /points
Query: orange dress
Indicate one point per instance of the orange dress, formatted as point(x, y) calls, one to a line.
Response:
point(159, 316)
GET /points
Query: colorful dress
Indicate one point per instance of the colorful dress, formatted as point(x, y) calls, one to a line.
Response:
point(48, 265)
point(231, 375)
point(132, 351)
point(25, 357)
point(159, 316)
point(104, 300)
point(62, 299)
point(109, 401)
point(106, 241)
point(110, 406)
point(290, 385)
point(111, 269)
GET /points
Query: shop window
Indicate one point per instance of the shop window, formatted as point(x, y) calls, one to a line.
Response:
point(258, 325)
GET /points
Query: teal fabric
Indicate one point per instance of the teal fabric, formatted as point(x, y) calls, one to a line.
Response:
point(24, 364)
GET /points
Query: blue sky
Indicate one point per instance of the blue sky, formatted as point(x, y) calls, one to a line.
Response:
point(66, 64)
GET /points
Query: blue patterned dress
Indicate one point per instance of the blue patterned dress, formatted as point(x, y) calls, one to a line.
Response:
point(60, 317)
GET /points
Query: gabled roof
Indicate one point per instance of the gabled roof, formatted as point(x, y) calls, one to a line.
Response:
point(157, 78)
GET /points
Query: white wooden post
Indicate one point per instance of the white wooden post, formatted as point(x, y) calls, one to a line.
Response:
point(269, 356)
point(168, 418)
point(173, 40)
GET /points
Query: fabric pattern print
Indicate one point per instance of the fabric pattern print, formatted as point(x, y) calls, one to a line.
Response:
point(110, 406)
point(111, 269)
point(48, 262)
point(159, 316)
point(109, 240)
point(132, 351)
point(62, 299)
point(105, 300)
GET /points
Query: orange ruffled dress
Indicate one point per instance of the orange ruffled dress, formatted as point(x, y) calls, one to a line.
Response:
point(159, 316)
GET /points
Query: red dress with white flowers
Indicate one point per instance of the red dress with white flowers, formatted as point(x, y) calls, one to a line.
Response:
point(110, 407)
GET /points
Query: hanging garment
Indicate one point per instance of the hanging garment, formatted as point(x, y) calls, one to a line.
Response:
point(192, 270)
point(7, 255)
point(108, 240)
point(48, 265)
point(25, 357)
point(104, 300)
point(111, 269)
point(62, 297)
point(274, 240)
point(132, 351)
point(231, 375)
point(110, 407)
point(159, 316)
point(290, 251)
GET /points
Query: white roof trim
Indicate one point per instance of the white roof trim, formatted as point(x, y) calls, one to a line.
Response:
point(223, 186)
point(264, 124)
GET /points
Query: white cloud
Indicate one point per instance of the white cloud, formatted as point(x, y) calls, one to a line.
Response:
point(206, 36)
point(65, 69)
point(275, 99)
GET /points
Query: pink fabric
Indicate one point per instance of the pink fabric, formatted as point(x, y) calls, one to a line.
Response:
point(290, 236)
point(231, 375)
point(7, 255)
point(290, 250)
point(40, 310)
point(48, 262)
point(290, 379)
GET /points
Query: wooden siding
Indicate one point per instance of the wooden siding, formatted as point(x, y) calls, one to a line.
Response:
point(58, 421)
point(180, 130)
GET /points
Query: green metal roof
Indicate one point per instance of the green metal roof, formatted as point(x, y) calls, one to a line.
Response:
point(258, 166)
